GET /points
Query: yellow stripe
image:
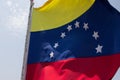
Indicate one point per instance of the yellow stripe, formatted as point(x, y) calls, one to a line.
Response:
point(56, 13)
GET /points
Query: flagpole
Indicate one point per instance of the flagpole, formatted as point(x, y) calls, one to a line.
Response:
point(24, 67)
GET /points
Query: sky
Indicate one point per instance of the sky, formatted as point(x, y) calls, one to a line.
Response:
point(13, 26)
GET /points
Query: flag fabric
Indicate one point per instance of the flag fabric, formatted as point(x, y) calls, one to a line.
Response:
point(74, 40)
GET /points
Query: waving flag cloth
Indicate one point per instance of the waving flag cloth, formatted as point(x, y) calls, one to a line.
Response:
point(74, 40)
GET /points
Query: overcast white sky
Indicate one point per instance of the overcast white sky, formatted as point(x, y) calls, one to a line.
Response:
point(13, 24)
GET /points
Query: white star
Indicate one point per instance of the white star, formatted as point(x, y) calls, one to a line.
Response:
point(56, 45)
point(99, 49)
point(63, 35)
point(77, 24)
point(95, 35)
point(51, 55)
point(69, 27)
point(85, 26)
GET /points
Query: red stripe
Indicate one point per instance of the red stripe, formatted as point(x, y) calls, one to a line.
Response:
point(97, 68)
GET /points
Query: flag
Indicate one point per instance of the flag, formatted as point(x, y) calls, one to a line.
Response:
point(74, 40)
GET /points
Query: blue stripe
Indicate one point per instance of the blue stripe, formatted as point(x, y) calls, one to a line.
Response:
point(101, 17)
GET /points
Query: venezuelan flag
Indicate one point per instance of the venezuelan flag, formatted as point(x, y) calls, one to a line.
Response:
point(74, 40)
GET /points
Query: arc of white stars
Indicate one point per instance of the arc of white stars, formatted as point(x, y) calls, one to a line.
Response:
point(99, 49)
point(86, 26)
point(63, 35)
point(77, 24)
point(51, 54)
point(56, 45)
point(69, 27)
point(95, 35)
